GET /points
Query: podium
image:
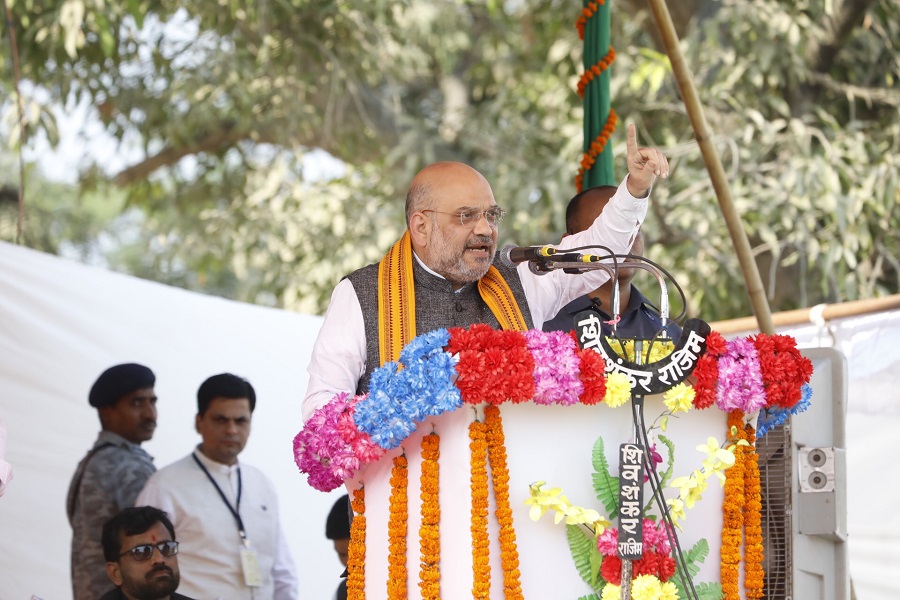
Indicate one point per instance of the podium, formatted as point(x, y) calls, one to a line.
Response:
point(373, 445)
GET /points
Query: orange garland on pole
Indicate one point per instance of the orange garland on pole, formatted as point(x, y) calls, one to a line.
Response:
point(597, 146)
point(595, 70)
point(509, 553)
point(732, 514)
point(356, 551)
point(396, 584)
point(481, 563)
point(754, 573)
point(586, 13)
point(429, 532)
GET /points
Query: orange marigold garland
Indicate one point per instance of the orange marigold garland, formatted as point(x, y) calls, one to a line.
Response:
point(396, 584)
point(754, 573)
point(356, 551)
point(429, 532)
point(596, 70)
point(481, 563)
point(509, 553)
point(732, 514)
point(597, 146)
point(586, 13)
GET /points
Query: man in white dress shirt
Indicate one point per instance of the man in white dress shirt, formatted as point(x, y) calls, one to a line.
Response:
point(445, 272)
point(225, 512)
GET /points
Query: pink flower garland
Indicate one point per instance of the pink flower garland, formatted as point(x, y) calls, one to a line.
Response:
point(555, 367)
point(740, 380)
point(330, 449)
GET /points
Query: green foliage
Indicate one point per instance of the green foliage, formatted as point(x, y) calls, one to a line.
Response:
point(693, 558)
point(218, 107)
point(666, 475)
point(606, 485)
point(583, 546)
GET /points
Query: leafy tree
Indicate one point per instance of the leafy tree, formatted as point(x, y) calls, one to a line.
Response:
point(227, 106)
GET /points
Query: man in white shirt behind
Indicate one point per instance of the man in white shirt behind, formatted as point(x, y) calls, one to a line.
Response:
point(225, 512)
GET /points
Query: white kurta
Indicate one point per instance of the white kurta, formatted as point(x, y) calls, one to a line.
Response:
point(339, 354)
point(209, 555)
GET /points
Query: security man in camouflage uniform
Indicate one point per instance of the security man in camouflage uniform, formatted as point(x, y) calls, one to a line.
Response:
point(109, 478)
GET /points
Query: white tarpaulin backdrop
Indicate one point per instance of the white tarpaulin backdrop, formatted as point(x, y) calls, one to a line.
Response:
point(62, 323)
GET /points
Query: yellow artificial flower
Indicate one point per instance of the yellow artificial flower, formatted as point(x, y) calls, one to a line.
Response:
point(611, 592)
point(542, 500)
point(676, 510)
point(576, 515)
point(691, 488)
point(645, 587)
point(618, 389)
point(679, 398)
point(717, 459)
point(668, 591)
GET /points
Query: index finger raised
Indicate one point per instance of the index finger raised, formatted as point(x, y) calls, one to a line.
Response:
point(631, 140)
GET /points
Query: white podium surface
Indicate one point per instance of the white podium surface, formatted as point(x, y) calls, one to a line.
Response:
point(544, 443)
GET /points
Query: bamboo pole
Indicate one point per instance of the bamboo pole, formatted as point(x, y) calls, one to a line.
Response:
point(804, 316)
point(739, 239)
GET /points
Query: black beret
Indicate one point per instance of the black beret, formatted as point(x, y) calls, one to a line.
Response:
point(118, 381)
point(337, 527)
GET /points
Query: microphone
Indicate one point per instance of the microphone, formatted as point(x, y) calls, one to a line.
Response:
point(511, 255)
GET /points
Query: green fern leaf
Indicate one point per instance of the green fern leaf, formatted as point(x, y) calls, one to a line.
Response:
point(693, 558)
point(584, 553)
point(606, 486)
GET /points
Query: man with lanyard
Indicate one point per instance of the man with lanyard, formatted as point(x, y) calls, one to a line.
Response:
point(225, 512)
point(445, 272)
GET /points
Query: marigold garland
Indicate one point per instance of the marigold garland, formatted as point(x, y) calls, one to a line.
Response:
point(429, 532)
point(595, 71)
point(754, 572)
point(481, 565)
point(586, 13)
point(509, 553)
point(398, 509)
point(356, 551)
point(596, 147)
point(732, 514)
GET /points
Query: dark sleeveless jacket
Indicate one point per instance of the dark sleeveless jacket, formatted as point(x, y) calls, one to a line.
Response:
point(437, 305)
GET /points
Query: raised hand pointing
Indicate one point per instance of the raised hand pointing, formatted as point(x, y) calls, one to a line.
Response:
point(644, 165)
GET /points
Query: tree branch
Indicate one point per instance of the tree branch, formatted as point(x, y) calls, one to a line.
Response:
point(847, 17)
point(207, 142)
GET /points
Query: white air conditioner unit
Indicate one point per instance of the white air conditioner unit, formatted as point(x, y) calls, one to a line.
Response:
point(804, 487)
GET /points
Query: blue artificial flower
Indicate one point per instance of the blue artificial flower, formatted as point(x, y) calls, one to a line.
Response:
point(771, 418)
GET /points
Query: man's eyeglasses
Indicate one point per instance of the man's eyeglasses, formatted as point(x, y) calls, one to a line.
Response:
point(145, 551)
point(492, 215)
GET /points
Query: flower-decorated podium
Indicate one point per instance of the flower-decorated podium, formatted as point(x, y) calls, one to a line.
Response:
point(485, 464)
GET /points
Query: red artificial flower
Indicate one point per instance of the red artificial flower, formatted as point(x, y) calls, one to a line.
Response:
point(705, 374)
point(611, 569)
point(592, 373)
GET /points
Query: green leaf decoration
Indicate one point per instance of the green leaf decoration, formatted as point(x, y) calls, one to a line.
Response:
point(606, 485)
point(590, 597)
point(585, 554)
point(692, 558)
point(666, 475)
point(710, 591)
